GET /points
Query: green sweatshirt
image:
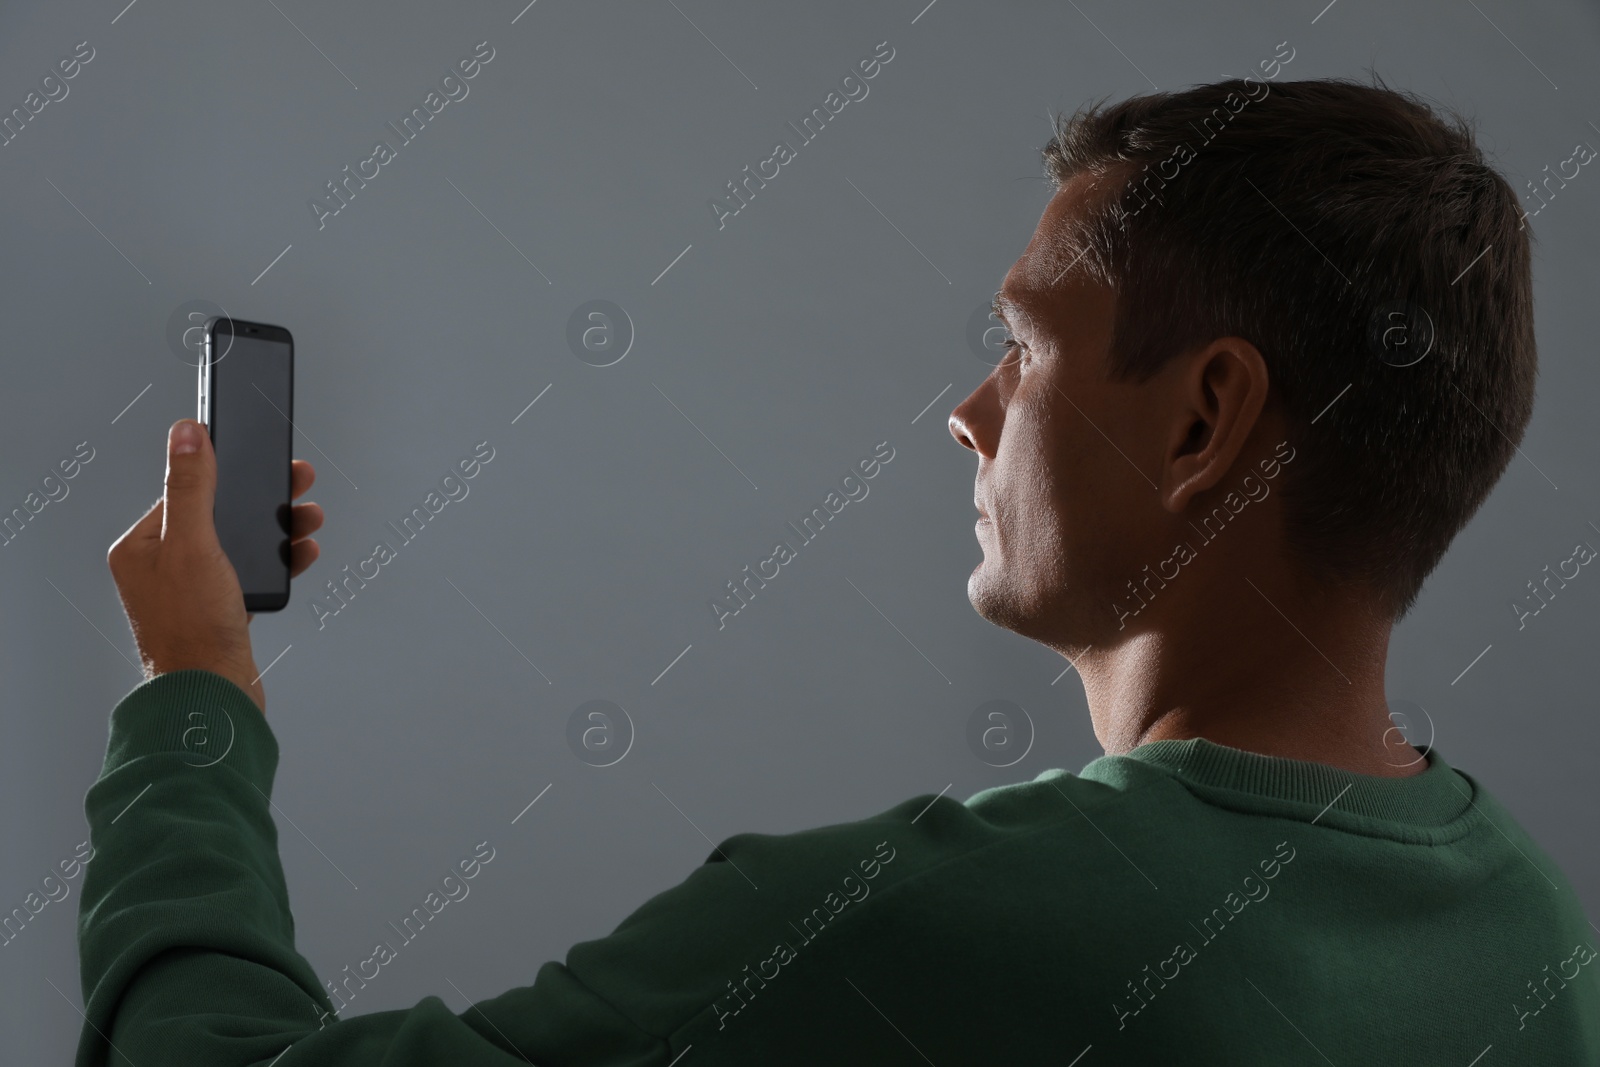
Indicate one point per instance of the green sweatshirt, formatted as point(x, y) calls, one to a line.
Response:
point(1186, 902)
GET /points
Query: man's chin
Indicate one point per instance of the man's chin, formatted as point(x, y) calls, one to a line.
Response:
point(999, 602)
point(993, 602)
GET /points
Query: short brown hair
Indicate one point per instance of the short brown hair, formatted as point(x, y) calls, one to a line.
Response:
point(1306, 217)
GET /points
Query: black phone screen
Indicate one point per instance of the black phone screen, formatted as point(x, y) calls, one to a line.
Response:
point(251, 407)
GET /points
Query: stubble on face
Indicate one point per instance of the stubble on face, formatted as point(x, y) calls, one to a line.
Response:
point(1047, 547)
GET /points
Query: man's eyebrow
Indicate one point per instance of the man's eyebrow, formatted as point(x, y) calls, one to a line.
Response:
point(1001, 304)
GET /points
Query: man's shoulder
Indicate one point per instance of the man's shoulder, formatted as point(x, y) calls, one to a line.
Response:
point(904, 841)
point(761, 896)
point(1110, 783)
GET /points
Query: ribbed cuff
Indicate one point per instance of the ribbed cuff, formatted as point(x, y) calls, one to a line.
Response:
point(202, 715)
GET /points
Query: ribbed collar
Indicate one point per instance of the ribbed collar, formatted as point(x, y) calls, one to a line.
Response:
point(1256, 782)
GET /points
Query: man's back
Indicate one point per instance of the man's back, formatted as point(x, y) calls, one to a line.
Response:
point(1187, 901)
point(1190, 902)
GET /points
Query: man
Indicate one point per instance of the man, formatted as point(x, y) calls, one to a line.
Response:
point(1256, 381)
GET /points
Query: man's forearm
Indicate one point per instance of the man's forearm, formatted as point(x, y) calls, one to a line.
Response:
point(186, 940)
point(187, 869)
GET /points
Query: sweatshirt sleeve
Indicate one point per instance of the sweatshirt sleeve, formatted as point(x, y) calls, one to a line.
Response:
point(186, 940)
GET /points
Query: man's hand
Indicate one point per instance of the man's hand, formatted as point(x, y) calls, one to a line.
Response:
point(180, 592)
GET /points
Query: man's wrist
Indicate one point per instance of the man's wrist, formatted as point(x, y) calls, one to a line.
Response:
point(205, 716)
point(244, 676)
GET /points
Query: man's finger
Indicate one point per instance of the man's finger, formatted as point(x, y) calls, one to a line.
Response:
point(146, 531)
point(302, 554)
point(148, 528)
point(301, 475)
point(304, 520)
point(191, 487)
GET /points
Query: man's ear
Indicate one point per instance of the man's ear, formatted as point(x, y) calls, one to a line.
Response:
point(1220, 393)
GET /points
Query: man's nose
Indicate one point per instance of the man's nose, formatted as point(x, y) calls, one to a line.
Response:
point(958, 430)
point(968, 422)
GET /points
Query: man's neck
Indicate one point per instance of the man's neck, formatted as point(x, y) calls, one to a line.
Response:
point(1311, 689)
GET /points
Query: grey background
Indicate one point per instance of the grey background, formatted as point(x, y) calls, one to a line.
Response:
point(798, 337)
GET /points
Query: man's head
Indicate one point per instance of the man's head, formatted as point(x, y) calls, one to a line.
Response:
point(1221, 270)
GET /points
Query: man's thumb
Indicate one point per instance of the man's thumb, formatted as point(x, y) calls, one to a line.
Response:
point(191, 487)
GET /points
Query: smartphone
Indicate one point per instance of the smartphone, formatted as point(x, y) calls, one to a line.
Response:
point(247, 403)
